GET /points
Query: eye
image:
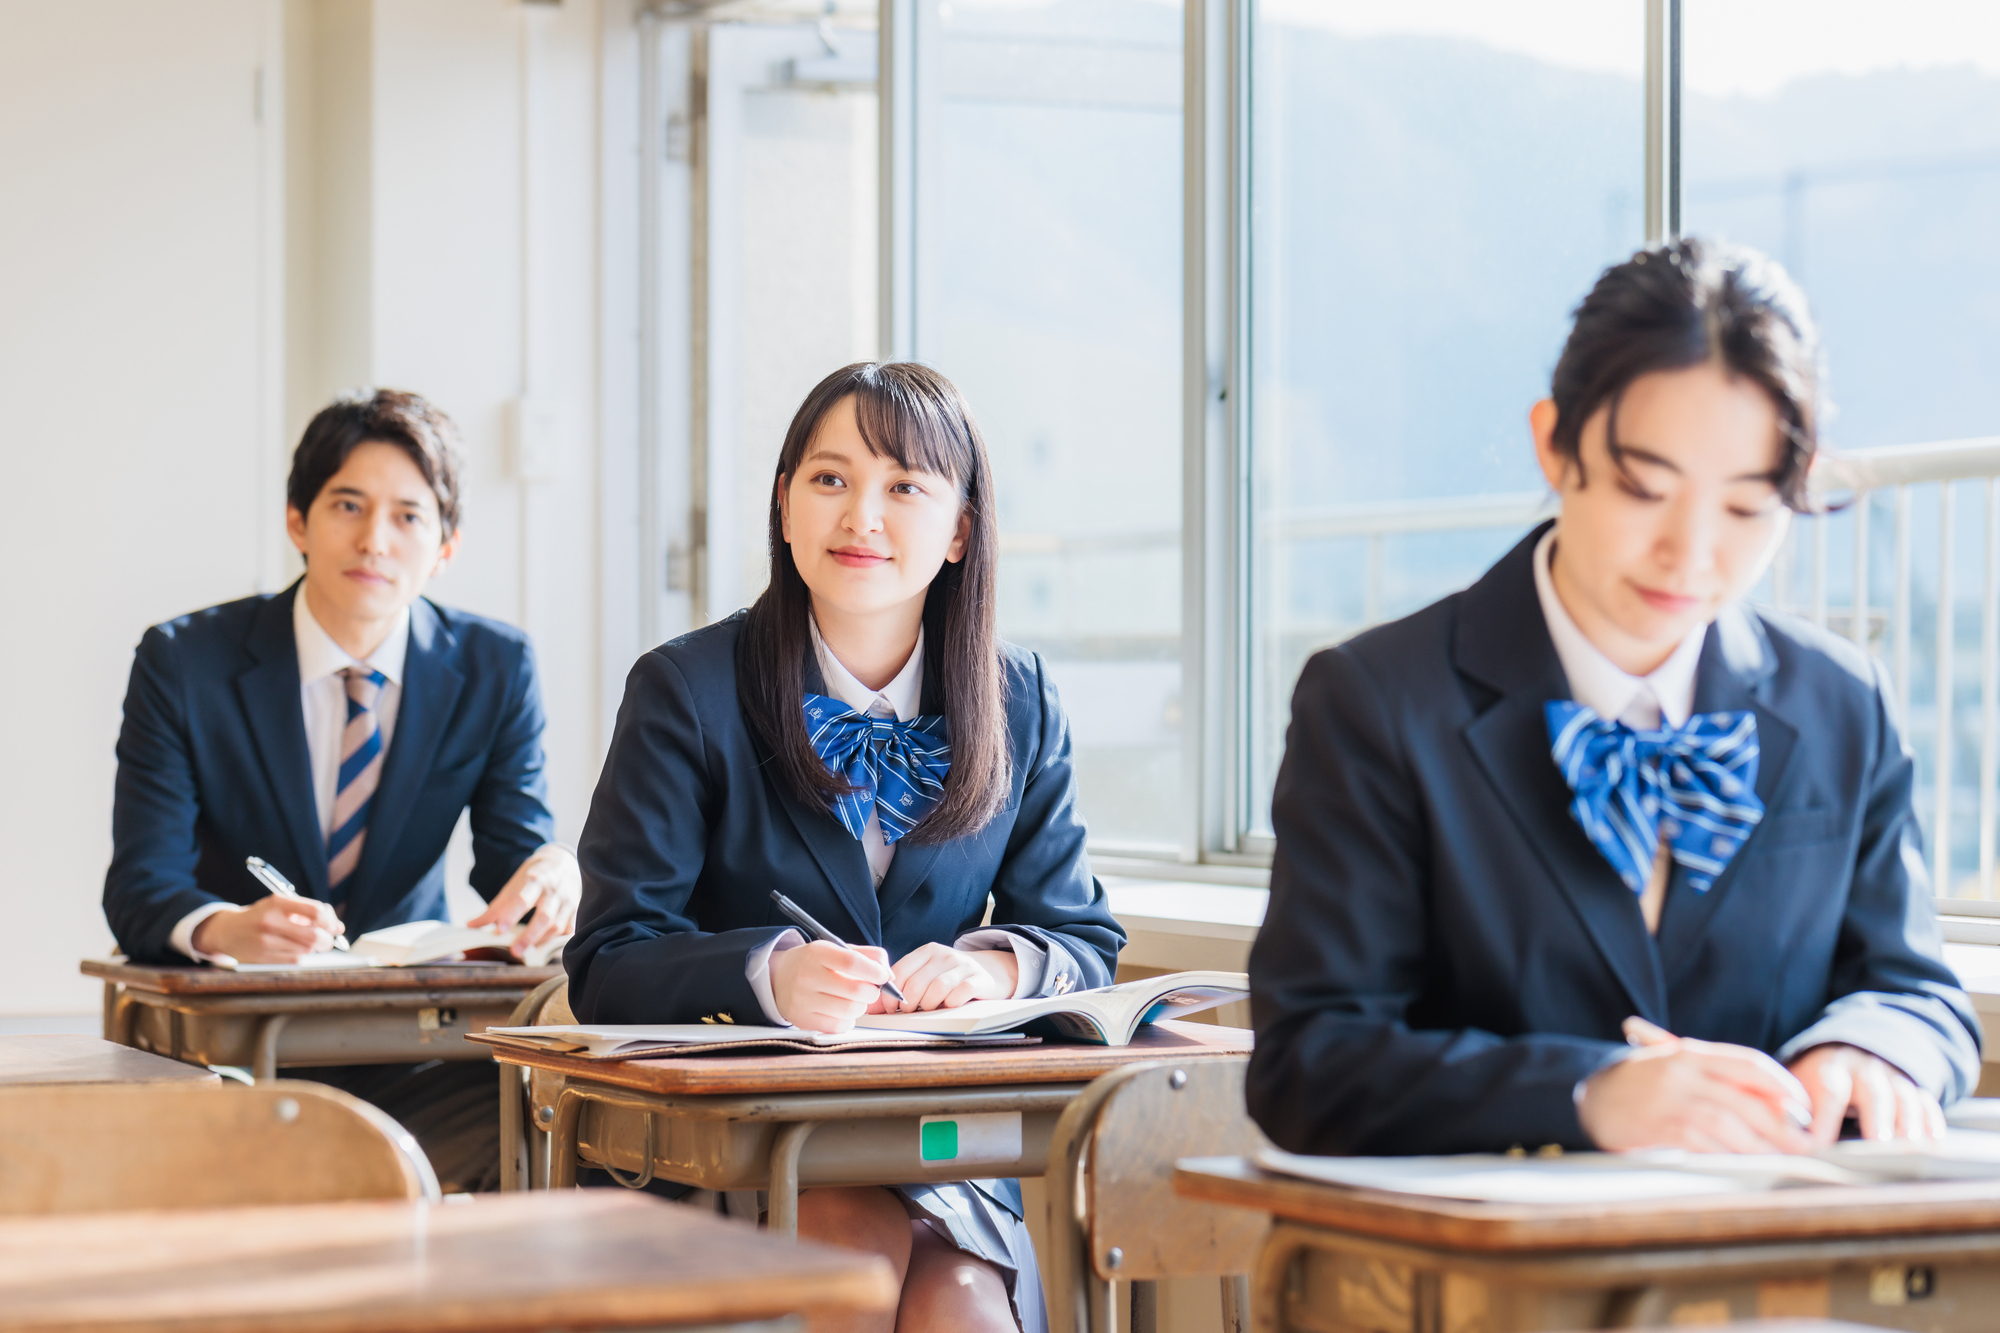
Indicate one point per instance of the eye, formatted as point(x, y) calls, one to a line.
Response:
point(1630, 485)
point(907, 488)
point(828, 479)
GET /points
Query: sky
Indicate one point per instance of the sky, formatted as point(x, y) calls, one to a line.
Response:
point(1734, 47)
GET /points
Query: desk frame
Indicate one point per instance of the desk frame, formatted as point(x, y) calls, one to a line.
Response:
point(268, 1030)
point(759, 1142)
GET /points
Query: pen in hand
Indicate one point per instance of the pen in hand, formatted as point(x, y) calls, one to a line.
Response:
point(798, 916)
point(1639, 1032)
point(268, 876)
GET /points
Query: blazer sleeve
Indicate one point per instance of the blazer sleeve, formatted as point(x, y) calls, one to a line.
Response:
point(1341, 1064)
point(639, 956)
point(154, 846)
point(510, 806)
point(1891, 992)
point(1044, 890)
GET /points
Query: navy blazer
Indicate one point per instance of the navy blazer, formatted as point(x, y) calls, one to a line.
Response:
point(690, 830)
point(213, 768)
point(1446, 953)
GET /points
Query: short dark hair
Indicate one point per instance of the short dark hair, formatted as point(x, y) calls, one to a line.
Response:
point(916, 416)
point(1679, 305)
point(378, 416)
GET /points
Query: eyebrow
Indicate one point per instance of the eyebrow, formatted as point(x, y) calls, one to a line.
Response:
point(360, 494)
point(1648, 456)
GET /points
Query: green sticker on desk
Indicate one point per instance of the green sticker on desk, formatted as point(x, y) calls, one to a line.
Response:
point(940, 1140)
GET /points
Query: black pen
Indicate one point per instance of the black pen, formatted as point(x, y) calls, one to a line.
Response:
point(803, 920)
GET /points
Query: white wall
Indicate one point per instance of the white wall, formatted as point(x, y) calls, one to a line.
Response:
point(166, 327)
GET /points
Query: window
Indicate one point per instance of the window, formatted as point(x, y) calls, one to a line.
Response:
point(1052, 154)
point(1433, 185)
point(1859, 144)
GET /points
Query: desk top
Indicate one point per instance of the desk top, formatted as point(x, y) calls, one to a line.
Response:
point(70, 1058)
point(849, 1071)
point(508, 1263)
point(1815, 1213)
point(190, 979)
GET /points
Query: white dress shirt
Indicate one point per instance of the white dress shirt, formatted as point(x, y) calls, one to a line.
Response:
point(1666, 694)
point(323, 702)
point(899, 699)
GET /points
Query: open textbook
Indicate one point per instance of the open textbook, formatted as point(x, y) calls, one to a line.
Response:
point(412, 943)
point(1109, 1015)
point(631, 1041)
point(1594, 1178)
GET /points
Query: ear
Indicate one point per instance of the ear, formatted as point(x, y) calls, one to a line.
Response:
point(295, 528)
point(959, 540)
point(1556, 465)
point(448, 551)
point(785, 507)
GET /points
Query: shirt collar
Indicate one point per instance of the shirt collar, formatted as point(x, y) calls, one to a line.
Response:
point(899, 697)
point(320, 656)
point(1598, 683)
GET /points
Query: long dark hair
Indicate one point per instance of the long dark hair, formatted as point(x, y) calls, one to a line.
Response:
point(916, 416)
point(1678, 305)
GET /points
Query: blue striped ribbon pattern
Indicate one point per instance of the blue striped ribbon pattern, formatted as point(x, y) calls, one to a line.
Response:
point(897, 768)
point(1696, 785)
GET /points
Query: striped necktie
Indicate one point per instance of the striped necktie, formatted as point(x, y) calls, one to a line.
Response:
point(1694, 786)
point(897, 769)
point(360, 771)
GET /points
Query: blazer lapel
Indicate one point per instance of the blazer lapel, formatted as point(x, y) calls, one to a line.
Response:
point(1736, 664)
point(431, 686)
point(913, 860)
point(837, 851)
point(269, 693)
point(1503, 641)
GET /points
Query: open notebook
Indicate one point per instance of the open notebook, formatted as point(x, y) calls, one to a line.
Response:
point(1594, 1177)
point(636, 1040)
point(1109, 1015)
point(413, 943)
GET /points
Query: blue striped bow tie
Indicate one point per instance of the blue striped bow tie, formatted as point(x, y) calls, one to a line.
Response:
point(896, 768)
point(1696, 785)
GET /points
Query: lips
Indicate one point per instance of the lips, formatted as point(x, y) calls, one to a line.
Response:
point(368, 576)
point(1668, 603)
point(859, 557)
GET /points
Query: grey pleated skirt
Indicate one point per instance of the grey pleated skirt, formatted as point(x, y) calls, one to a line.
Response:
point(984, 1219)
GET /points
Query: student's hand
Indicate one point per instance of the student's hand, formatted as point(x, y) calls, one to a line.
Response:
point(273, 930)
point(1699, 1095)
point(1843, 1078)
point(938, 976)
point(824, 987)
point(550, 882)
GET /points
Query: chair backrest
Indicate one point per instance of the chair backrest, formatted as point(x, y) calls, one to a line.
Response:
point(1113, 1212)
point(98, 1148)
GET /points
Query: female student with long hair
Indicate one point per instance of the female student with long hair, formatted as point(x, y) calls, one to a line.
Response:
point(1596, 787)
point(860, 740)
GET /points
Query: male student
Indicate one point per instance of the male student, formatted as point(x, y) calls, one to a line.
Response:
point(337, 729)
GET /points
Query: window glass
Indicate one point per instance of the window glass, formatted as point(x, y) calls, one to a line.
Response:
point(1859, 144)
point(1434, 185)
point(1056, 305)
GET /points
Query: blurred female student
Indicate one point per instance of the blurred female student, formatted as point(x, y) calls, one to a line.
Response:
point(860, 740)
point(1596, 787)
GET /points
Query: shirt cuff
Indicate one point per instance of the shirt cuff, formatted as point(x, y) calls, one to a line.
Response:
point(182, 940)
point(1031, 960)
point(757, 971)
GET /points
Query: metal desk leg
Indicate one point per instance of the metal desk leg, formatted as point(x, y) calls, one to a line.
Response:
point(1145, 1307)
point(264, 1061)
point(785, 1151)
point(1236, 1303)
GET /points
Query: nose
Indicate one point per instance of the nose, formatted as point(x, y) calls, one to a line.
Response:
point(378, 533)
point(1686, 542)
point(864, 511)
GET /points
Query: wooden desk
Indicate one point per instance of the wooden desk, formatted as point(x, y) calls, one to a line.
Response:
point(517, 1263)
point(68, 1058)
point(783, 1122)
point(1920, 1256)
point(269, 1020)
